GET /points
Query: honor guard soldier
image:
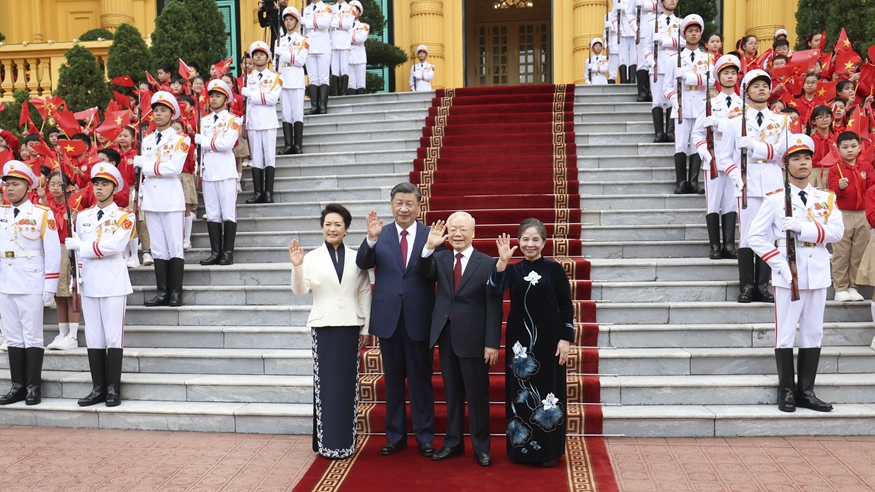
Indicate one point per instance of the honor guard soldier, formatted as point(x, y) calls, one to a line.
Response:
point(217, 138)
point(661, 34)
point(293, 51)
point(318, 17)
point(596, 65)
point(765, 131)
point(622, 18)
point(30, 260)
point(263, 91)
point(341, 38)
point(422, 73)
point(816, 222)
point(358, 56)
point(101, 237)
point(694, 68)
point(163, 157)
point(720, 191)
point(649, 10)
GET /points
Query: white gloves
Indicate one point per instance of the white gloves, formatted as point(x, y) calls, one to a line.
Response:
point(139, 161)
point(785, 272)
point(746, 143)
point(48, 296)
point(246, 92)
point(735, 176)
point(73, 243)
point(198, 139)
point(792, 224)
point(711, 122)
point(704, 154)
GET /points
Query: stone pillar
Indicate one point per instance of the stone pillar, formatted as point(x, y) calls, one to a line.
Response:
point(588, 24)
point(427, 27)
point(762, 16)
point(115, 13)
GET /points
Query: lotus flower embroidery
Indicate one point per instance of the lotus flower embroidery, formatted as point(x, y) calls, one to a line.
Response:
point(532, 277)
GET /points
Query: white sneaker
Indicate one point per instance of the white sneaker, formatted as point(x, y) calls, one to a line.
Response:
point(147, 259)
point(204, 216)
point(247, 163)
point(133, 262)
point(855, 296)
point(54, 344)
point(239, 188)
point(843, 296)
point(51, 304)
point(67, 343)
point(186, 245)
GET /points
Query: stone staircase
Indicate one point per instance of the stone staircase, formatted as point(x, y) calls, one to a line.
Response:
point(678, 356)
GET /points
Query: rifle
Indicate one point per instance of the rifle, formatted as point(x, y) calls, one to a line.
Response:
point(791, 236)
point(590, 69)
point(638, 23)
point(680, 82)
point(618, 26)
point(655, 46)
point(744, 150)
point(245, 105)
point(71, 228)
point(709, 133)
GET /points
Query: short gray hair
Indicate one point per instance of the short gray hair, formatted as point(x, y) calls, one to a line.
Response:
point(406, 188)
point(462, 214)
point(533, 222)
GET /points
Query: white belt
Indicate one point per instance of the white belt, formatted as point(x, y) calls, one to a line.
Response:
point(782, 243)
point(117, 255)
point(19, 254)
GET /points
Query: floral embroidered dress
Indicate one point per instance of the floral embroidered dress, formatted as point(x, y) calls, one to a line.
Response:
point(541, 314)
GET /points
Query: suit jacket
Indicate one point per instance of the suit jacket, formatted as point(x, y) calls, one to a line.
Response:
point(476, 314)
point(344, 303)
point(397, 289)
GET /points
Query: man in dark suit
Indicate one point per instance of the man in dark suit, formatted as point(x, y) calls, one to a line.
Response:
point(467, 324)
point(400, 310)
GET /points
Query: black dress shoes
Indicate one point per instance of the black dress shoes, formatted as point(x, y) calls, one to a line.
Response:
point(393, 447)
point(447, 453)
point(550, 464)
point(483, 459)
point(426, 449)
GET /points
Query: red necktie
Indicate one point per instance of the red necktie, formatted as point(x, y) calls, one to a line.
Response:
point(457, 271)
point(404, 248)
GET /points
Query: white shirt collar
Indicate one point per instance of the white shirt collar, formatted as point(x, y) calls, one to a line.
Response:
point(466, 252)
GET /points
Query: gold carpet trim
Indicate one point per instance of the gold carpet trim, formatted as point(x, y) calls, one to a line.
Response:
point(338, 470)
point(578, 466)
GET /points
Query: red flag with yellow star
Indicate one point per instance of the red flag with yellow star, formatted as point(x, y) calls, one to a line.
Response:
point(222, 67)
point(67, 123)
point(825, 90)
point(843, 44)
point(845, 61)
point(124, 81)
point(113, 123)
point(859, 124)
point(122, 99)
point(72, 148)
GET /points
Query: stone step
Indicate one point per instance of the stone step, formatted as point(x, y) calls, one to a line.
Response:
point(411, 131)
point(314, 146)
point(344, 118)
point(321, 127)
point(653, 201)
point(680, 313)
point(665, 232)
point(606, 115)
point(321, 170)
point(331, 183)
point(339, 106)
point(620, 175)
point(247, 418)
point(646, 249)
point(242, 255)
point(218, 315)
point(309, 239)
point(588, 162)
point(206, 336)
point(358, 208)
point(643, 292)
point(351, 157)
point(642, 217)
point(736, 420)
point(643, 187)
point(226, 296)
point(663, 270)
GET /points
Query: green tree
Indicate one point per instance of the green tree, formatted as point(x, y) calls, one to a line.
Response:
point(809, 18)
point(373, 16)
point(380, 54)
point(705, 8)
point(211, 41)
point(175, 35)
point(94, 34)
point(128, 55)
point(81, 81)
point(10, 116)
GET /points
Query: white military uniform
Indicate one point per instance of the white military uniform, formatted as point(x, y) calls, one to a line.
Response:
point(219, 132)
point(358, 56)
point(293, 51)
point(667, 42)
point(719, 192)
point(421, 73)
point(694, 67)
point(163, 157)
point(597, 67)
point(104, 234)
point(822, 224)
point(263, 91)
point(624, 51)
point(316, 22)
point(30, 262)
point(649, 11)
point(342, 24)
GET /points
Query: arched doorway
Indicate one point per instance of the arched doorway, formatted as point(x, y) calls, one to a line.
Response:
point(507, 42)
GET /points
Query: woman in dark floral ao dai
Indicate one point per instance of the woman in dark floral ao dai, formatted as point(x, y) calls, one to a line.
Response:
point(540, 328)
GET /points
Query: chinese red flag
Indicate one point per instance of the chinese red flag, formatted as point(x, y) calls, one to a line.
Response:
point(44, 150)
point(832, 157)
point(871, 54)
point(124, 81)
point(223, 66)
point(184, 70)
point(822, 44)
point(761, 61)
point(72, 148)
point(867, 79)
point(121, 99)
point(31, 128)
point(86, 115)
point(845, 61)
point(826, 64)
point(804, 60)
point(6, 156)
point(859, 124)
point(67, 122)
point(152, 82)
point(24, 117)
point(843, 44)
point(2, 107)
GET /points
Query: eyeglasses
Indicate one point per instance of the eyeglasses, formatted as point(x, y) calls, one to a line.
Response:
point(462, 230)
point(822, 117)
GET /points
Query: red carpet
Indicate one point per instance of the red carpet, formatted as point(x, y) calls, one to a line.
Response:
point(502, 154)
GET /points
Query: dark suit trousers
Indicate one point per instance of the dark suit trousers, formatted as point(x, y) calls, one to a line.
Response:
point(404, 358)
point(464, 376)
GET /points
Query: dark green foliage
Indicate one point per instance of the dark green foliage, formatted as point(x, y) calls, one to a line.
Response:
point(210, 43)
point(93, 34)
point(381, 54)
point(373, 16)
point(128, 55)
point(708, 10)
point(9, 116)
point(81, 81)
point(174, 35)
point(373, 83)
point(809, 18)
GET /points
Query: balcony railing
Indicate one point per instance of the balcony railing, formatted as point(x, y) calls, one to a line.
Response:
point(34, 67)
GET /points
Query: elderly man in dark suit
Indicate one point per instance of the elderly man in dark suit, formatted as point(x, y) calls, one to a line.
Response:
point(400, 310)
point(467, 324)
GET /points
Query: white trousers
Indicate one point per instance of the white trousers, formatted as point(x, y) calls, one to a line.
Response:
point(339, 62)
point(659, 100)
point(220, 200)
point(165, 234)
point(293, 104)
point(683, 133)
point(746, 216)
point(719, 193)
point(318, 66)
point(262, 148)
point(358, 75)
point(807, 312)
point(104, 321)
point(22, 319)
point(627, 50)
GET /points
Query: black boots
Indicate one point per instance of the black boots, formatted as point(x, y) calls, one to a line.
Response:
point(298, 135)
point(269, 174)
point(163, 296)
point(323, 99)
point(713, 223)
point(214, 230)
point(288, 136)
point(176, 269)
point(728, 252)
point(97, 364)
point(228, 245)
point(624, 75)
point(18, 375)
point(680, 172)
point(360, 91)
point(669, 126)
point(313, 91)
point(763, 275)
point(633, 71)
point(658, 124)
point(114, 358)
point(343, 90)
point(257, 186)
point(807, 364)
point(745, 275)
point(643, 81)
point(334, 81)
point(786, 389)
point(693, 175)
point(34, 358)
